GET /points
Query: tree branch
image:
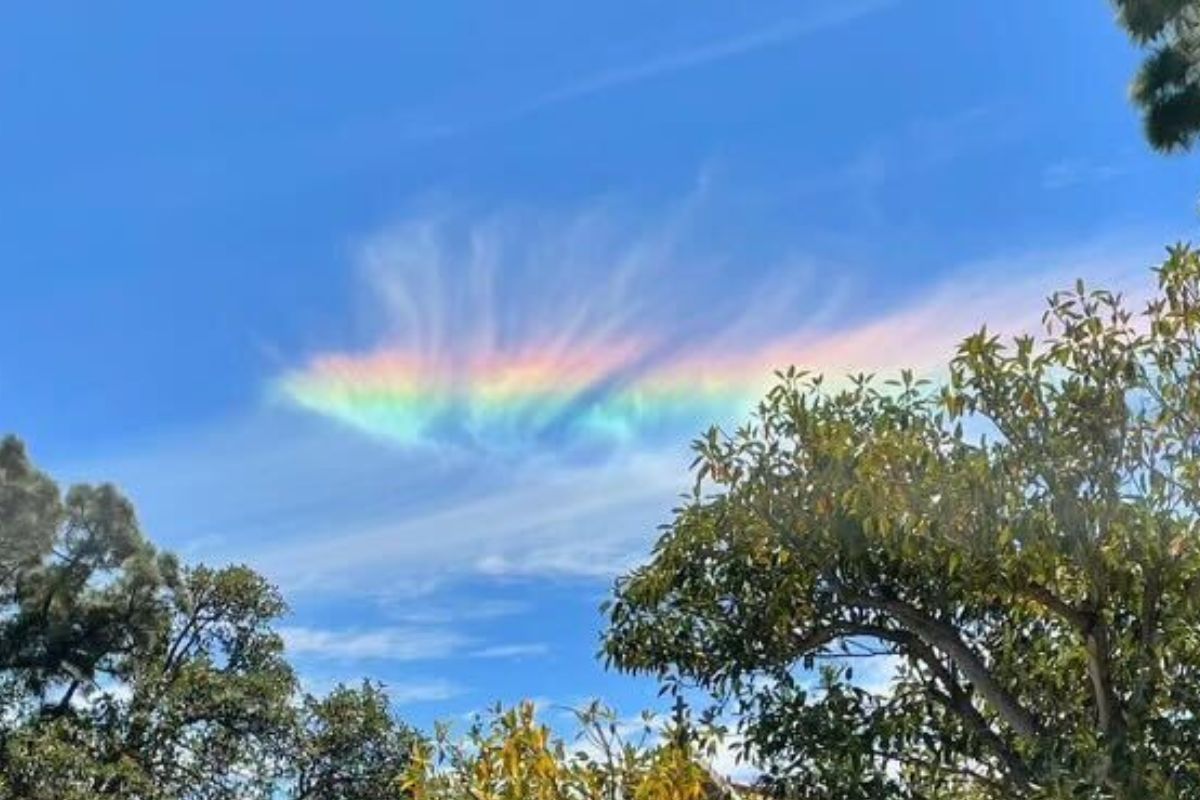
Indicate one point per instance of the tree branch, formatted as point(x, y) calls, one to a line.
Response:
point(944, 637)
point(1094, 632)
point(955, 698)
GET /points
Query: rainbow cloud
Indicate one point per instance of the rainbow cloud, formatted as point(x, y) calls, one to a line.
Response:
point(507, 337)
point(505, 399)
point(567, 350)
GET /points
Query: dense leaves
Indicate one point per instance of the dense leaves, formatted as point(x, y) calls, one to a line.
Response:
point(1011, 559)
point(125, 674)
point(352, 747)
point(509, 755)
point(1167, 86)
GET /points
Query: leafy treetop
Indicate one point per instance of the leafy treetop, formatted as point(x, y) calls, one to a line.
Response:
point(1014, 556)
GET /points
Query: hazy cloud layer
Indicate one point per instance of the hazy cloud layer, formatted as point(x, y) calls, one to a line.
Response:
point(321, 504)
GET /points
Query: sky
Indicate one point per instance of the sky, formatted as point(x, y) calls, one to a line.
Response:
point(416, 307)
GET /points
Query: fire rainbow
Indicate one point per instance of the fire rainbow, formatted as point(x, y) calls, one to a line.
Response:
point(598, 392)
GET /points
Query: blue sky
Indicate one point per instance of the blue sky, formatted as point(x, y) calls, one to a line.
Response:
point(198, 201)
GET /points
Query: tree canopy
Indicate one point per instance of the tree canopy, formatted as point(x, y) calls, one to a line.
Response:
point(1167, 86)
point(1011, 557)
point(124, 673)
point(127, 674)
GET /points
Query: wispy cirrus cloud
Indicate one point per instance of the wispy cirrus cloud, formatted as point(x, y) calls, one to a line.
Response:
point(498, 336)
point(403, 693)
point(498, 294)
point(581, 521)
point(400, 691)
point(398, 644)
point(1074, 172)
point(390, 644)
point(447, 610)
point(514, 335)
point(821, 17)
point(506, 487)
point(512, 651)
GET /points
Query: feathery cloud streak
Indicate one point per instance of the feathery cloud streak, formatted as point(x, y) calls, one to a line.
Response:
point(535, 488)
point(781, 33)
point(507, 337)
point(501, 336)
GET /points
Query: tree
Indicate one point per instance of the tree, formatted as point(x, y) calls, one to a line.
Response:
point(1013, 558)
point(126, 674)
point(29, 510)
point(351, 747)
point(202, 710)
point(1167, 86)
point(145, 678)
point(210, 701)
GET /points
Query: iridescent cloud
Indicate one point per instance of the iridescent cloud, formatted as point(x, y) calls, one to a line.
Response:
point(553, 346)
point(494, 397)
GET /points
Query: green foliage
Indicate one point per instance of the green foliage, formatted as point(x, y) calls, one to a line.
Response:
point(124, 674)
point(1167, 86)
point(351, 747)
point(509, 755)
point(29, 510)
point(1032, 587)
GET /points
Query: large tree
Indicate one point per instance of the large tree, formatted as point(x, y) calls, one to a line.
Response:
point(1167, 86)
point(999, 577)
point(125, 674)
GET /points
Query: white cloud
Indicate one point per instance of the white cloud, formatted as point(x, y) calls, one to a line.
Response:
point(318, 507)
point(422, 691)
point(819, 18)
point(825, 17)
point(390, 644)
point(512, 651)
point(401, 692)
point(1005, 293)
point(583, 520)
point(447, 610)
point(1073, 172)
